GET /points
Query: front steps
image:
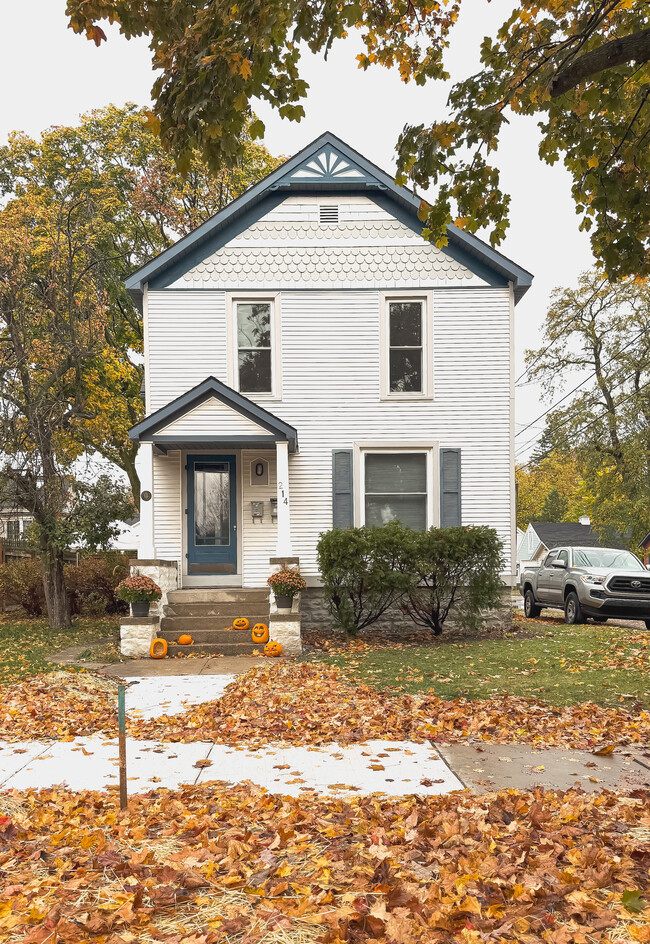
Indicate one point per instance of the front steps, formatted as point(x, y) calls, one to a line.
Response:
point(204, 614)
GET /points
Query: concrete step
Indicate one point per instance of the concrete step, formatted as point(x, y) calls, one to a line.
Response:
point(216, 636)
point(192, 624)
point(219, 595)
point(210, 649)
point(226, 611)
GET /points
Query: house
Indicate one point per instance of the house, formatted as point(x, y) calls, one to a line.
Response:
point(541, 536)
point(312, 362)
point(645, 547)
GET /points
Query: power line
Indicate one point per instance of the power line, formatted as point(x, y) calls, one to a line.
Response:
point(582, 382)
point(587, 426)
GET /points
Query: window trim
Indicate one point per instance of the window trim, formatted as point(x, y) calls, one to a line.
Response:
point(429, 449)
point(232, 300)
point(407, 295)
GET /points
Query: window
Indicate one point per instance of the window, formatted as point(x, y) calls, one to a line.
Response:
point(405, 347)
point(395, 487)
point(564, 557)
point(550, 557)
point(13, 530)
point(254, 347)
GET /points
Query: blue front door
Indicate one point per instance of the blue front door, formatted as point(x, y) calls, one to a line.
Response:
point(211, 515)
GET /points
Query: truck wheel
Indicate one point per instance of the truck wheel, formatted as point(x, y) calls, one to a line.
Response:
point(573, 610)
point(530, 607)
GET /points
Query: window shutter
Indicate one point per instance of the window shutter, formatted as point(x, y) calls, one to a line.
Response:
point(342, 497)
point(450, 516)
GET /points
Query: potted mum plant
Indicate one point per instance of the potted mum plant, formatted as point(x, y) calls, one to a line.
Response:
point(285, 585)
point(139, 591)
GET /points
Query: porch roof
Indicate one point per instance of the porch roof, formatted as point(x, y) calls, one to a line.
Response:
point(262, 429)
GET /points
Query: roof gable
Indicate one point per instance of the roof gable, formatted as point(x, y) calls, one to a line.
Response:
point(326, 165)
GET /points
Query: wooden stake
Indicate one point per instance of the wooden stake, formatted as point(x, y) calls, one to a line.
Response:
point(121, 725)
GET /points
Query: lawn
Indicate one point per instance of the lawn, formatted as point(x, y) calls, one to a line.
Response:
point(25, 643)
point(563, 665)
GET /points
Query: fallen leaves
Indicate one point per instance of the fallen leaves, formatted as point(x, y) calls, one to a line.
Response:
point(220, 863)
point(300, 703)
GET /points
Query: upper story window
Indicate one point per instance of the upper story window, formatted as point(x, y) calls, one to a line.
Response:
point(254, 346)
point(406, 336)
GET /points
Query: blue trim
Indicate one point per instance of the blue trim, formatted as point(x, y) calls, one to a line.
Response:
point(245, 209)
point(163, 444)
point(212, 554)
point(145, 430)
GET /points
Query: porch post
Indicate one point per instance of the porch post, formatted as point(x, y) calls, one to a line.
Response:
point(284, 514)
point(144, 465)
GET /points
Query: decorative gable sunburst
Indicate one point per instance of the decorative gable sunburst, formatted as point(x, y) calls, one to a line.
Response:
point(328, 166)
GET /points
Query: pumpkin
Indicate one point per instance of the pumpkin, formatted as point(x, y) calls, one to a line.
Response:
point(185, 640)
point(158, 649)
point(240, 623)
point(273, 649)
point(260, 632)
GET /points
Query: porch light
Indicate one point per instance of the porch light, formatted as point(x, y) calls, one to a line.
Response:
point(257, 511)
point(274, 510)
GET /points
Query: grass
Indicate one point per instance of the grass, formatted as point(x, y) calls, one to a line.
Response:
point(26, 643)
point(563, 665)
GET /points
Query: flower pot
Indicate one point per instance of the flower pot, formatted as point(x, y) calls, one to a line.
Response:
point(140, 609)
point(283, 602)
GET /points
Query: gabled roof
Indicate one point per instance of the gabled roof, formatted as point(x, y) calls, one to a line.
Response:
point(327, 165)
point(152, 428)
point(568, 534)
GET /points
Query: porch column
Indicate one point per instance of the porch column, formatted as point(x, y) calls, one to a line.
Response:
point(144, 465)
point(284, 514)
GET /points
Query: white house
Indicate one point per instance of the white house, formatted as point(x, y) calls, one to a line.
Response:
point(311, 361)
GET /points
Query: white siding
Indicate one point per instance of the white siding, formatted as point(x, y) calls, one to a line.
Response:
point(186, 342)
point(259, 537)
point(168, 536)
point(212, 416)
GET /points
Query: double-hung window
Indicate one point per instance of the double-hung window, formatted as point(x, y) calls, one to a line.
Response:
point(406, 339)
point(254, 346)
point(395, 487)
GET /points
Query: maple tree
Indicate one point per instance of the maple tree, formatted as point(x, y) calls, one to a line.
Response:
point(114, 162)
point(599, 333)
point(557, 473)
point(580, 66)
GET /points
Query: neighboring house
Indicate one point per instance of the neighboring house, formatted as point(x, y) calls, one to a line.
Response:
point(645, 547)
point(311, 361)
point(128, 538)
point(541, 536)
point(14, 523)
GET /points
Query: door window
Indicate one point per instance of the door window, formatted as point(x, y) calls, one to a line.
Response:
point(212, 504)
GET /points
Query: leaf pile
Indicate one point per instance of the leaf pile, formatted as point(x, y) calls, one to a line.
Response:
point(218, 863)
point(58, 705)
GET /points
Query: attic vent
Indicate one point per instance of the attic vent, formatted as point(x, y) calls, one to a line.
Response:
point(329, 214)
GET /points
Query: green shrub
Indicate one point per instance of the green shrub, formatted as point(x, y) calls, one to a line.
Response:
point(93, 582)
point(362, 572)
point(453, 568)
point(21, 581)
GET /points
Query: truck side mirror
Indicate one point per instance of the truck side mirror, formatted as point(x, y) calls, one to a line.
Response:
point(559, 563)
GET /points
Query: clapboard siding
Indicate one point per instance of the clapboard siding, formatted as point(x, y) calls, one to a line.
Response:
point(259, 537)
point(186, 342)
point(167, 506)
point(213, 415)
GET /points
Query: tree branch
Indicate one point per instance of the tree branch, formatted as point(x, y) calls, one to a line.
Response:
point(635, 47)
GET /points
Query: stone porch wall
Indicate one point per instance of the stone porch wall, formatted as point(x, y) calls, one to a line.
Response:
point(162, 572)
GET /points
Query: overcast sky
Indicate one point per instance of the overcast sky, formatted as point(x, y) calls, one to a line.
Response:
point(50, 76)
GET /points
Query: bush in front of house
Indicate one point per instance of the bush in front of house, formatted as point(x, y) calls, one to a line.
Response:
point(21, 582)
point(426, 574)
point(362, 572)
point(453, 570)
point(93, 581)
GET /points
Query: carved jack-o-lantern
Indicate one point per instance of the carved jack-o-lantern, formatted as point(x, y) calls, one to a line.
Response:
point(241, 623)
point(158, 649)
point(273, 649)
point(260, 633)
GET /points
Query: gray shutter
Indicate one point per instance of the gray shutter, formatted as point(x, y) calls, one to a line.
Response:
point(342, 492)
point(450, 514)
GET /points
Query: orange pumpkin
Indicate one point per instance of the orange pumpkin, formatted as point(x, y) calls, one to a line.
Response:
point(185, 640)
point(158, 649)
point(260, 632)
point(273, 649)
point(241, 623)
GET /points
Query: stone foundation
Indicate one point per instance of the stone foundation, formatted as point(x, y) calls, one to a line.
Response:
point(315, 614)
point(162, 572)
point(136, 635)
point(285, 627)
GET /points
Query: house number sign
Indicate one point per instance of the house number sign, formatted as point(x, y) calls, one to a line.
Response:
point(283, 495)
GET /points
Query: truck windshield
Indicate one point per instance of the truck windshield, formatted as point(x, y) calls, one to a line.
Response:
point(605, 557)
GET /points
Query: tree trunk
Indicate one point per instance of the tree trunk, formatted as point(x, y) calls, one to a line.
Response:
point(56, 596)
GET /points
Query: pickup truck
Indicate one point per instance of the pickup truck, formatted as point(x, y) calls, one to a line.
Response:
point(596, 582)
